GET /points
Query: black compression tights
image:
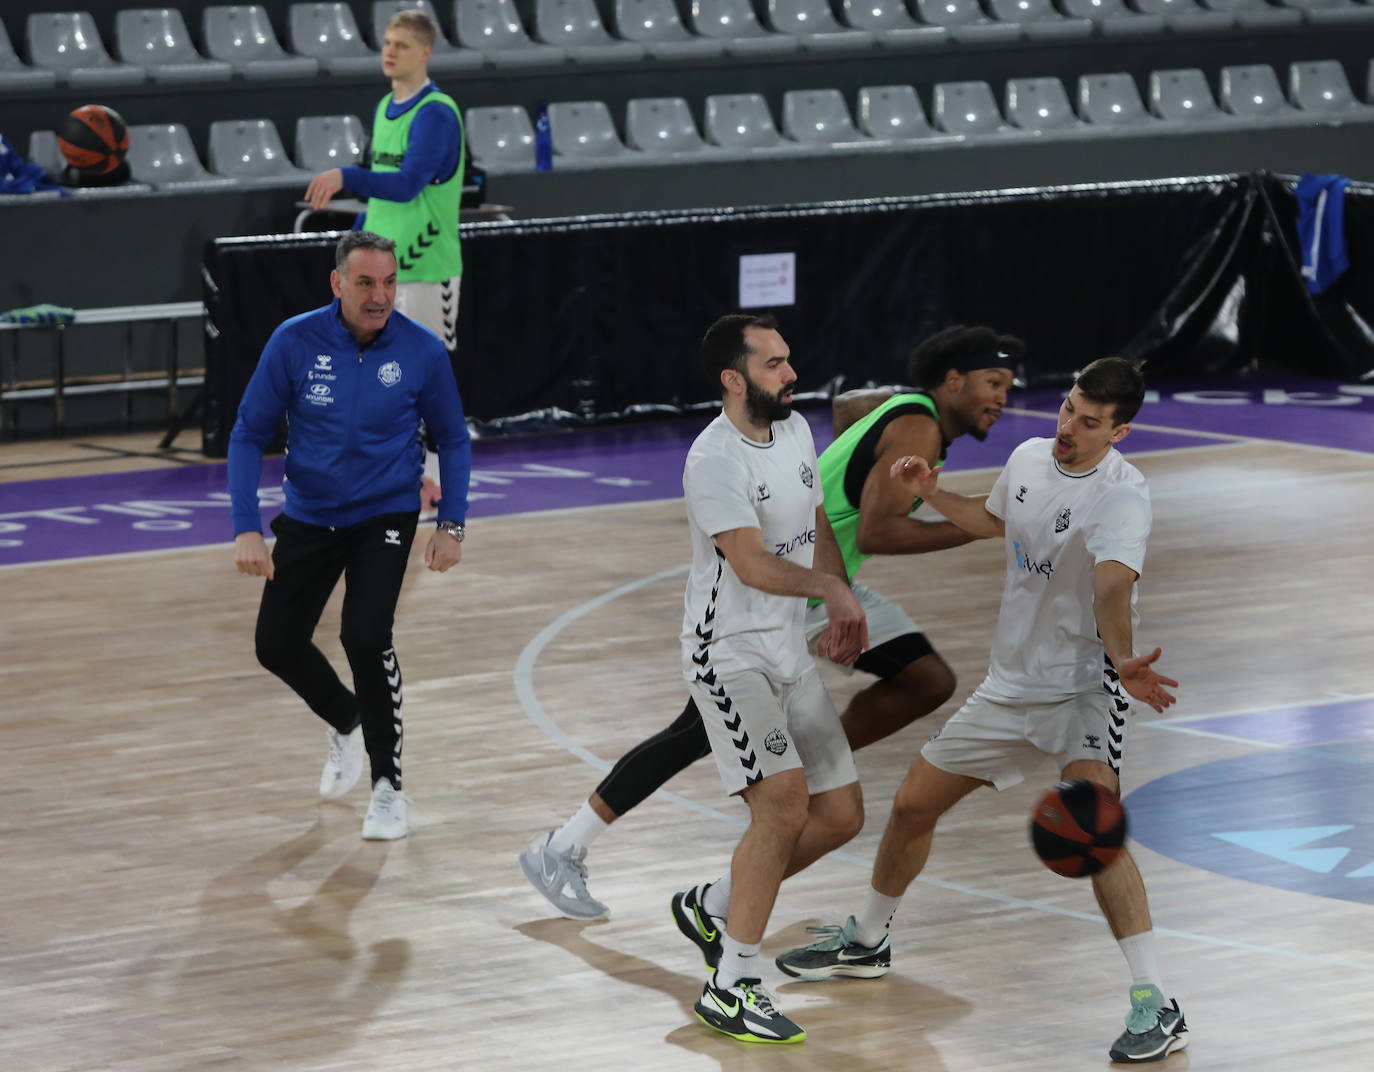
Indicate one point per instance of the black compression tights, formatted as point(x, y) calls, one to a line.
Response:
point(649, 764)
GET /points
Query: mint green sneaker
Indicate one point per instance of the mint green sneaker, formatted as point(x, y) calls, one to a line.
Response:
point(837, 954)
point(1153, 1029)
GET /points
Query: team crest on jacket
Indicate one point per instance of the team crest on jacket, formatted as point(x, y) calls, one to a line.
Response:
point(1062, 521)
point(390, 373)
point(808, 477)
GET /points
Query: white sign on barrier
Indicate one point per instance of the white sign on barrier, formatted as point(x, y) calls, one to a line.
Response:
point(767, 279)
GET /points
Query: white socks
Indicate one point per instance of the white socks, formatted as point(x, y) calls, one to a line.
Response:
point(1139, 950)
point(716, 900)
point(737, 961)
point(581, 829)
point(871, 925)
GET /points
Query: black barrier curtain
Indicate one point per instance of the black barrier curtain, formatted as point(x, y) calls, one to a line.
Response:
point(593, 319)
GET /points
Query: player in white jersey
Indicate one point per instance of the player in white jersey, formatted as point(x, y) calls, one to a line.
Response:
point(1075, 516)
point(758, 528)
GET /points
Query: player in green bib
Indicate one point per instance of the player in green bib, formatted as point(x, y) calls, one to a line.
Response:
point(415, 184)
point(964, 374)
point(414, 188)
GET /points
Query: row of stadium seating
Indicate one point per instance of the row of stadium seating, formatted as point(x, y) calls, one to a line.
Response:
point(891, 117)
point(662, 130)
point(155, 43)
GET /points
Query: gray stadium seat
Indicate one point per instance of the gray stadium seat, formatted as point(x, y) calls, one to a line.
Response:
point(818, 117)
point(328, 141)
point(250, 150)
point(158, 40)
point(967, 108)
point(501, 138)
point(69, 43)
point(45, 152)
point(663, 126)
point(1320, 88)
point(1256, 14)
point(1183, 96)
point(657, 26)
point(1040, 104)
point(894, 113)
point(1039, 20)
point(16, 74)
point(1253, 92)
point(242, 35)
point(891, 24)
point(812, 23)
point(330, 34)
point(1113, 17)
point(733, 24)
point(162, 156)
point(445, 58)
point(1333, 12)
point(584, 132)
point(1111, 100)
point(741, 121)
point(1184, 16)
point(575, 27)
point(493, 28)
point(965, 21)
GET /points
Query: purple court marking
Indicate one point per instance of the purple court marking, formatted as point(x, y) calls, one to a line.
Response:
point(187, 506)
point(1314, 412)
point(1346, 720)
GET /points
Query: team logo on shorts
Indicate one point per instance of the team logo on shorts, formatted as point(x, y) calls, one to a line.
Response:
point(808, 477)
point(776, 742)
point(389, 374)
point(1062, 521)
point(1091, 740)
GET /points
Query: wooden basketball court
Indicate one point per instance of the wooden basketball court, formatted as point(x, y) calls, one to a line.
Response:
point(177, 898)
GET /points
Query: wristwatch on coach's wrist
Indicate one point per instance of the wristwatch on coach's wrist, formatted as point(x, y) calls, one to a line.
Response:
point(453, 528)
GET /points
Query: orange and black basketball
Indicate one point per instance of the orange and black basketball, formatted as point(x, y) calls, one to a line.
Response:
point(1078, 828)
point(94, 139)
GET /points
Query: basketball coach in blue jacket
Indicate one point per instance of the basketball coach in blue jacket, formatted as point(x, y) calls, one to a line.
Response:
point(355, 380)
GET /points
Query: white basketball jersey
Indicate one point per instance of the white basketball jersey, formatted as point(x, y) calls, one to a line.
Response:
point(733, 482)
point(1059, 525)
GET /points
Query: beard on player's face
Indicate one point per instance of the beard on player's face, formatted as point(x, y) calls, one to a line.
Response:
point(765, 408)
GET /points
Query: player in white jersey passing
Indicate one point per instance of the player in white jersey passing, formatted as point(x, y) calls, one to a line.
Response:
point(761, 544)
point(1075, 516)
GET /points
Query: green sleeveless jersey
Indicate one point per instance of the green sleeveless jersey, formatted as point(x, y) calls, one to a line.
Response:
point(425, 230)
point(845, 465)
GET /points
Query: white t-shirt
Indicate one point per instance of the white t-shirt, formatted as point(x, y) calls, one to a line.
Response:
point(1059, 526)
point(732, 482)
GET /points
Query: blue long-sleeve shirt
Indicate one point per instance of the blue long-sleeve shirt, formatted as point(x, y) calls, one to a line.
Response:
point(432, 153)
point(353, 451)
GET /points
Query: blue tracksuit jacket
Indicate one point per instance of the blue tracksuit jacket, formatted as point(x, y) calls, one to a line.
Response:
point(352, 412)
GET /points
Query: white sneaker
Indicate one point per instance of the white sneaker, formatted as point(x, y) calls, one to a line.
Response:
point(344, 765)
point(386, 816)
